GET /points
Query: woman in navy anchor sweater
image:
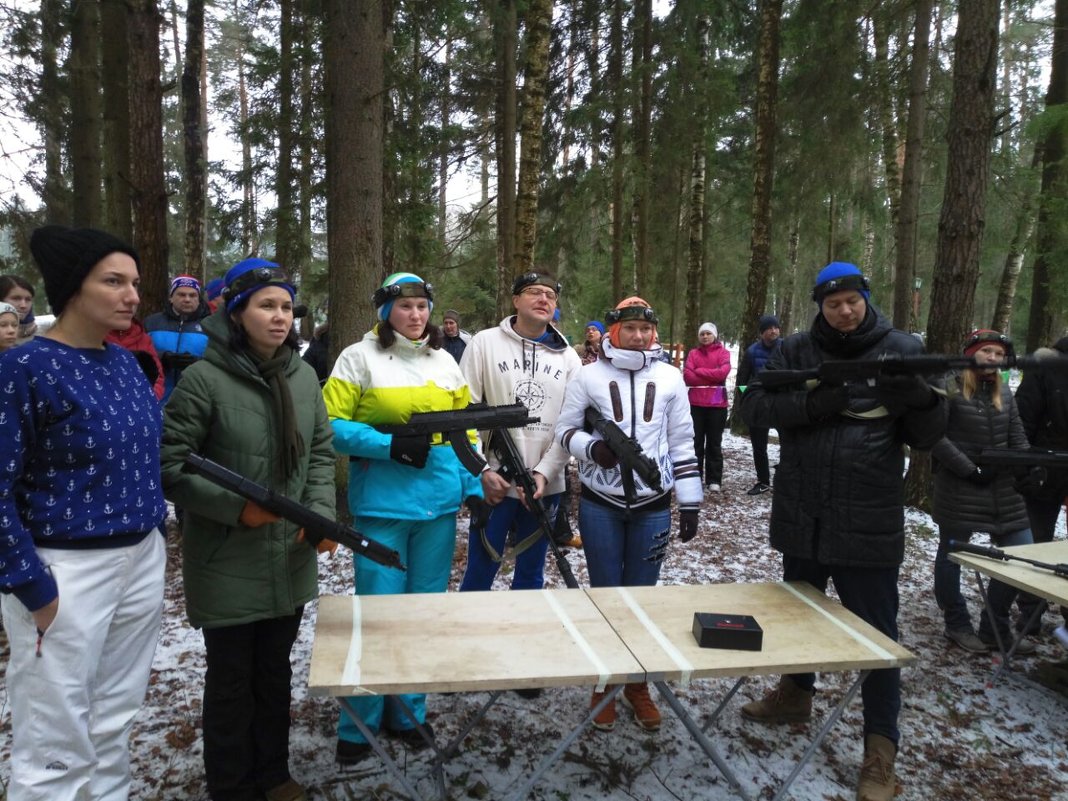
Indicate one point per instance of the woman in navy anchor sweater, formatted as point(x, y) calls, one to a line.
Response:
point(81, 508)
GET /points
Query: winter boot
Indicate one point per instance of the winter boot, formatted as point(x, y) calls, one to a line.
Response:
point(646, 715)
point(606, 718)
point(877, 780)
point(786, 703)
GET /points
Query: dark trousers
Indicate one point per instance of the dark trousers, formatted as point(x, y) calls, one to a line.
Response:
point(708, 424)
point(759, 438)
point(871, 595)
point(246, 707)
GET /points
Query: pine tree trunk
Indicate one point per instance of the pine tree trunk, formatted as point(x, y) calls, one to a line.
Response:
point(615, 77)
point(539, 18)
point(696, 254)
point(54, 195)
point(443, 156)
point(149, 190)
point(287, 233)
point(1049, 239)
point(309, 56)
point(960, 227)
point(85, 108)
point(912, 173)
point(193, 141)
point(354, 86)
point(1010, 273)
point(115, 67)
point(504, 38)
point(643, 170)
point(249, 235)
point(763, 168)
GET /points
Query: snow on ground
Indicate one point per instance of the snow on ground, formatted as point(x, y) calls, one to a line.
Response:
point(959, 737)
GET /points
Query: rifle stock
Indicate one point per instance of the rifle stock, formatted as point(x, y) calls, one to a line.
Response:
point(842, 371)
point(316, 526)
point(453, 427)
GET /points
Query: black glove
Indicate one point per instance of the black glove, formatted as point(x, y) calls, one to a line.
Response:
point(479, 509)
point(1031, 481)
point(826, 401)
point(411, 451)
point(603, 455)
point(982, 475)
point(910, 391)
point(147, 364)
point(687, 524)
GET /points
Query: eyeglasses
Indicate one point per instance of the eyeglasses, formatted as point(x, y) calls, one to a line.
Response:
point(256, 277)
point(539, 292)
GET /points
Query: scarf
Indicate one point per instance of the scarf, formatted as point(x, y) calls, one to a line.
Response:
point(273, 371)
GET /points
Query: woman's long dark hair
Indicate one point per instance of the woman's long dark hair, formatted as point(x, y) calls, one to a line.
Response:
point(239, 336)
point(387, 336)
point(9, 282)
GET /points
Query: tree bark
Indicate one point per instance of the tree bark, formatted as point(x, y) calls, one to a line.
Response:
point(54, 193)
point(249, 235)
point(960, 227)
point(763, 168)
point(193, 141)
point(696, 258)
point(115, 68)
point(535, 77)
point(912, 173)
point(1010, 273)
point(287, 234)
point(85, 106)
point(615, 78)
point(355, 83)
point(149, 191)
point(643, 168)
point(1049, 240)
point(505, 26)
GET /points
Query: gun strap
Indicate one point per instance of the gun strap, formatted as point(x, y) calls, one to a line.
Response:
point(517, 549)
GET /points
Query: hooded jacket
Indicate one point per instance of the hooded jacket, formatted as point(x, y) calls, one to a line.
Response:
point(1042, 399)
point(706, 371)
point(973, 424)
point(502, 367)
point(839, 486)
point(179, 340)
point(222, 408)
point(136, 340)
point(371, 386)
point(647, 399)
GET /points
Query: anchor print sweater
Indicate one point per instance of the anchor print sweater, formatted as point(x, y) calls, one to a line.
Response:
point(79, 458)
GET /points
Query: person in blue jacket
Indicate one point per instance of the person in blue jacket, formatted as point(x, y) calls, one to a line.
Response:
point(403, 490)
point(753, 360)
point(176, 331)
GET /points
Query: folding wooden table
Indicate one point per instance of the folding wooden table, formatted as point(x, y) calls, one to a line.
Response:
point(1022, 576)
point(550, 638)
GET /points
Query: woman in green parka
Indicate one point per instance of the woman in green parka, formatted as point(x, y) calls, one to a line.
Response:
point(252, 405)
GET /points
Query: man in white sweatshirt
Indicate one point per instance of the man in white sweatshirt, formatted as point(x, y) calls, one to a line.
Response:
point(523, 359)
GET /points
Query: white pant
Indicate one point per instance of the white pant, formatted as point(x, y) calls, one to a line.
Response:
point(73, 702)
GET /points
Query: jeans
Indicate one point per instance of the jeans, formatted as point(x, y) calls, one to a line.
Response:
point(759, 439)
point(708, 425)
point(425, 547)
point(871, 595)
point(623, 549)
point(247, 690)
point(529, 565)
point(947, 584)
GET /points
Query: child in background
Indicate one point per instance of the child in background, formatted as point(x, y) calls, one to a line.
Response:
point(9, 326)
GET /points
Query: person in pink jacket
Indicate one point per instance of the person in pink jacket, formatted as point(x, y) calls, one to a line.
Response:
point(705, 373)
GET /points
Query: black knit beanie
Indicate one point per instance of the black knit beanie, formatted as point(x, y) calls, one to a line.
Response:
point(65, 256)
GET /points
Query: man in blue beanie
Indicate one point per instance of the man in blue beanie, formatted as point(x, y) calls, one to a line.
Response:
point(753, 360)
point(838, 508)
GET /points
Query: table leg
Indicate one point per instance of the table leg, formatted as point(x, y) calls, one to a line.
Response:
point(723, 704)
point(372, 738)
point(698, 735)
point(609, 698)
point(1006, 654)
point(828, 724)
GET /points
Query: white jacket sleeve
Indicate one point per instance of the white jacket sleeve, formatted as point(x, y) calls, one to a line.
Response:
point(572, 419)
point(680, 449)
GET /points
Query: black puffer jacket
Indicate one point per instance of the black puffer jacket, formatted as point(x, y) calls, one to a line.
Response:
point(975, 423)
point(839, 487)
point(1042, 399)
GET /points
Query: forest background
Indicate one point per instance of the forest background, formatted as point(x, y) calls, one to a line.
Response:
point(710, 155)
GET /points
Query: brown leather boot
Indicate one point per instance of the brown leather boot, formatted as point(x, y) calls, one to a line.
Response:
point(786, 703)
point(877, 780)
point(646, 715)
point(606, 718)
